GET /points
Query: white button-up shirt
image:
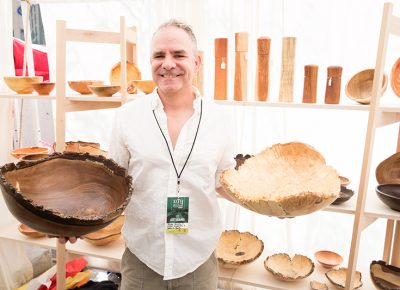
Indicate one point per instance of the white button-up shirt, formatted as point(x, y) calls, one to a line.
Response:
point(138, 145)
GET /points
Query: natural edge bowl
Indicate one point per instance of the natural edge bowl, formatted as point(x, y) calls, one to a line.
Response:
point(281, 266)
point(384, 276)
point(21, 84)
point(338, 278)
point(98, 191)
point(328, 259)
point(22, 152)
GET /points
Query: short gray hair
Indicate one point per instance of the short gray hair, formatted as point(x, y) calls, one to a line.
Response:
point(181, 25)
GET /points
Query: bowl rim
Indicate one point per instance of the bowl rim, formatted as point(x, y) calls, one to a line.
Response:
point(380, 192)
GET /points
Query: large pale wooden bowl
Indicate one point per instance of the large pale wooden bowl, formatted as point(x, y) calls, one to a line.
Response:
point(104, 90)
point(359, 87)
point(106, 235)
point(388, 171)
point(384, 276)
point(145, 86)
point(282, 267)
point(132, 73)
point(338, 278)
point(285, 180)
point(236, 248)
point(67, 194)
point(22, 85)
point(82, 86)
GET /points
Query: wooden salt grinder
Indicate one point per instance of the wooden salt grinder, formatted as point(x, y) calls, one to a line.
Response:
point(262, 69)
point(221, 69)
point(310, 83)
point(241, 48)
point(287, 69)
point(333, 81)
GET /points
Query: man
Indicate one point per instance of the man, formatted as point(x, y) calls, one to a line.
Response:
point(174, 144)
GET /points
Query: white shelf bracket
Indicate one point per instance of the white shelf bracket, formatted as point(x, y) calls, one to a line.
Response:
point(366, 221)
point(387, 118)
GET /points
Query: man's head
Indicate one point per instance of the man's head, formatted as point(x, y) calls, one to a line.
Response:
point(174, 59)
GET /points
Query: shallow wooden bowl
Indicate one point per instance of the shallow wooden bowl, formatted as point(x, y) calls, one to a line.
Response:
point(145, 86)
point(22, 152)
point(384, 276)
point(282, 267)
point(22, 85)
point(104, 90)
point(82, 86)
point(106, 235)
point(338, 278)
point(315, 285)
point(328, 259)
point(34, 157)
point(27, 231)
point(43, 88)
point(236, 248)
point(388, 171)
point(389, 194)
point(344, 195)
point(69, 194)
point(285, 180)
point(132, 73)
point(359, 87)
point(395, 77)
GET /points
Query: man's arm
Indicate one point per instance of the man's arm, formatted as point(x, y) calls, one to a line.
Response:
point(221, 192)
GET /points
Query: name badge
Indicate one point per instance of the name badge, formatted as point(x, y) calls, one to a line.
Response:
point(177, 215)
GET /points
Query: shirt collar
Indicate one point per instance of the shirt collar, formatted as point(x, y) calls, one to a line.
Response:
point(156, 103)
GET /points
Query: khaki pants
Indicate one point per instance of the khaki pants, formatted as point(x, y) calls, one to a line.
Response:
point(137, 276)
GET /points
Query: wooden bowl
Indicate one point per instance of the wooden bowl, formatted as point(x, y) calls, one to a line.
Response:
point(285, 180)
point(338, 278)
point(344, 195)
point(33, 157)
point(85, 147)
point(104, 90)
point(384, 276)
point(328, 259)
point(22, 152)
point(22, 85)
point(27, 231)
point(395, 77)
point(43, 88)
point(315, 285)
point(132, 73)
point(389, 194)
point(282, 267)
point(359, 87)
point(69, 194)
point(106, 235)
point(145, 86)
point(82, 86)
point(344, 181)
point(236, 248)
point(388, 171)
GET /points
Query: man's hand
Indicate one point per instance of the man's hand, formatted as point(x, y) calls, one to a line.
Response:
point(64, 240)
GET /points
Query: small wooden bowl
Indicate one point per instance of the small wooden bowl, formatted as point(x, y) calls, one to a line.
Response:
point(344, 195)
point(132, 73)
point(104, 90)
point(395, 78)
point(27, 231)
point(43, 88)
point(106, 235)
point(22, 85)
point(359, 87)
point(328, 259)
point(344, 181)
point(315, 285)
point(22, 152)
point(338, 278)
point(145, 86)
point(82, 86)
point(388, 171)
point(33, 157)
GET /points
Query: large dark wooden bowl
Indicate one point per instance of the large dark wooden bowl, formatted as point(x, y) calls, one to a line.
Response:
point(389, 194)
point(384, 276)
point(66, 194)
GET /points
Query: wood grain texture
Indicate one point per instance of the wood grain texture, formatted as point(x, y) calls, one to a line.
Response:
point(241, 48)
point(310, 83)
point(287, 69)
point(262, 69)
point(221, 69)
point(333, 85)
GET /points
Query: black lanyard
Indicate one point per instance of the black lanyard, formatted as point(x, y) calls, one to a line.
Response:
point(191, 149)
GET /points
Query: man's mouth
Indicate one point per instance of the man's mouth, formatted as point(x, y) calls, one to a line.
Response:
point(170, 76)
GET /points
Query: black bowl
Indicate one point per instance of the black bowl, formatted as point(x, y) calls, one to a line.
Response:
point(384, 275)
point(389, 194)
point(344, 195)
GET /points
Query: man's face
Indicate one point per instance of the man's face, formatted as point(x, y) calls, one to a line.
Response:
point(173, 63)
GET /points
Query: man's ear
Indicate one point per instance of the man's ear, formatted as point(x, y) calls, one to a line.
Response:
point(198, 62)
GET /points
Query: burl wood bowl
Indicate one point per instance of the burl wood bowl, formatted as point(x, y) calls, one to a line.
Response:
point(104, 90)
point(338, 278)
point(82, 86)
point(315, 285)
point(282, 267)
point(388, 171)
point(359, 87)
point(132, 73)
point(389, 194)
point(285, 180)
point(43, 88)
point(145, 86)
point(395, 77)
point(328, 259)
point(22, 152)
point(106, 235)
point(27, 231)
point(236, 248)
point(22, 85)
point(384, 276)
point(69, 194)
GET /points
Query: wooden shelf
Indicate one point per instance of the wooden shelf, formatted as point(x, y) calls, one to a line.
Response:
point(4, 95)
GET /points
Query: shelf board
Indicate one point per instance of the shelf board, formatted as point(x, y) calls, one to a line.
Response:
point(94, 98)
point(348, 207)
point(4, 95)
point(374, 207)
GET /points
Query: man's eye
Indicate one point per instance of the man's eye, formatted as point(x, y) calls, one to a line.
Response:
point(180, 56)
point(158, 56)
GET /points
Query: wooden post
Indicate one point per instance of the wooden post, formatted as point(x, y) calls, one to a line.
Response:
point(221, 69)
point(198, 79)
point(262, 69)
point(388, 241)
point(287, 69)
point(241, 48)
point(333, 82)
point(310, 83)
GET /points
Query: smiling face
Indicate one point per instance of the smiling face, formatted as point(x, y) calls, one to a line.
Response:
point(173, 61)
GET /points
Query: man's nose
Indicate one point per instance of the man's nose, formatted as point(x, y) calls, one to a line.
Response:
point(168, 63)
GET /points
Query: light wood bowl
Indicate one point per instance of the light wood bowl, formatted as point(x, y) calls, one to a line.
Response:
point(85, 147)
point(106, 235)
point(69, 194)
point(315, 285)
point(236, 248)
point(22, 152)
point(104, 90)
point(384, 276)
point(43, 88)
point(145, 86)
point(22, 85)
point(395, 77)
point(344, 181)
point(328, 259)
point(285, 180)
point(282, 267)
point(27, 231)
point(388, 171)
point(338, 278)
point(132, 73)
point(359, 87)
point(33, 157)
point(82, 86)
